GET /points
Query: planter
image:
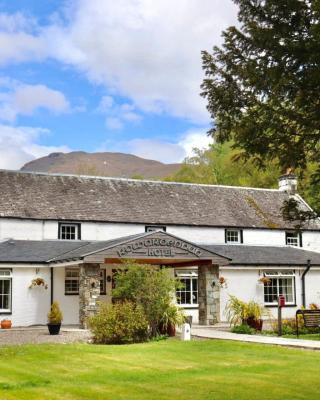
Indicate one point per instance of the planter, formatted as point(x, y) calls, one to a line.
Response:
point(171, 330)
point(6, 324)
point(54, 329)
point(255, 323)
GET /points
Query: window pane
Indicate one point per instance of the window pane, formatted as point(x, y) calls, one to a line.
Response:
point(5, 294)
point(292, 239)
point(233, 236)
point(68, 231)
point(188, 294)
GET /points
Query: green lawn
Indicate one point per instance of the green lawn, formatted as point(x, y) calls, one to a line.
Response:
point(159, 370)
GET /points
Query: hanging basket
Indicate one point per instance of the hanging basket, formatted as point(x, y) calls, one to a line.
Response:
point(38, 282)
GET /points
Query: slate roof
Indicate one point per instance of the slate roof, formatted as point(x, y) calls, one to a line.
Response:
point(78, 198)
point(45, 251)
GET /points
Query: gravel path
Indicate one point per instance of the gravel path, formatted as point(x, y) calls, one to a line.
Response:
point(34, 336)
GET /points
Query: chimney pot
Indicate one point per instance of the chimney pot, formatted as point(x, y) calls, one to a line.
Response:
point(288, 183)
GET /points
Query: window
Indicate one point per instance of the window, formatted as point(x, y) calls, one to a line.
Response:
point(281, 283)
point(188, 294)
point(152, 228)
point(293, 239)
point(71, 281)
point(69, 231)
point(5, 290)
point(103, 281)
point(233, 236)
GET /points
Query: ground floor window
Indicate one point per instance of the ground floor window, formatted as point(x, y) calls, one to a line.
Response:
point(103, 281)
point(279, 283)
point(72, 281)
point(188, 294)
point(5, 290)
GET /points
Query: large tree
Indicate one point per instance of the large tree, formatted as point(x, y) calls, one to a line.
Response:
point(263, 84)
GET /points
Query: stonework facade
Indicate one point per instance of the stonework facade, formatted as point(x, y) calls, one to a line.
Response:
point(209, 294)
point(89, 292)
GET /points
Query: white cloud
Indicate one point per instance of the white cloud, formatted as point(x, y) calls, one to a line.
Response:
point(148, 51)
point(145, 50)
point(25, 99)
point(117, 114)
point(20, 40)
point(18, 145)
point(160, 150)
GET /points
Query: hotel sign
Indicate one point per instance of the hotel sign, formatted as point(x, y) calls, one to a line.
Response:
point(157, 247)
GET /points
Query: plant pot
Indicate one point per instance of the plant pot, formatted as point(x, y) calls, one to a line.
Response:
point(54, 329)
point(171, 330)
point(255, 323)
point(6, 324)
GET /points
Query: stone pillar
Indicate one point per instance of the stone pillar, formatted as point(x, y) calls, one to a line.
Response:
point(208, 294)
point(89, 292)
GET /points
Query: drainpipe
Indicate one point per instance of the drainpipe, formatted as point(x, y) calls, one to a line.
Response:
point(51, 285)
point(303, 283)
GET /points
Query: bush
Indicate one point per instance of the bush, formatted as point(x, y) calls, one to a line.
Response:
point(119, 323)
point(243, 329)
point(153, 289)
point(238, 311)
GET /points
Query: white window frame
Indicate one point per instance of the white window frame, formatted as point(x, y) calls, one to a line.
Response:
point(295, 241)
point(74, 276)
point(69, 225)
point(289, 274)
point(232, 231)
point(6, 275)
point(193, 276)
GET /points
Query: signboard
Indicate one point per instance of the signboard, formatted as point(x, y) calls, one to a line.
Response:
point(158, 247)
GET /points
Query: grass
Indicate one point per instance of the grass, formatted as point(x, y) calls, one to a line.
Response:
point(159, 370)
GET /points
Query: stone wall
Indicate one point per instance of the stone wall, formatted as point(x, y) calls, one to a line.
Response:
point(89, 291)
point(208, 294)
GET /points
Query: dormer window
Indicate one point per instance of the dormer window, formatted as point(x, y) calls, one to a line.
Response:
point(69, 231)
point(152, 228)
point(293, 239)
point(233, 236)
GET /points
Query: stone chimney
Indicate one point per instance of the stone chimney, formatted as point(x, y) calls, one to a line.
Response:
point(288, 182)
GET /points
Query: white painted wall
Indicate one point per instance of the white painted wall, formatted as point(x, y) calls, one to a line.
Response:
point(29, 306)
point(40, 230)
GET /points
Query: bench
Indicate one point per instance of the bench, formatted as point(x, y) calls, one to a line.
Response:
point(311, 319)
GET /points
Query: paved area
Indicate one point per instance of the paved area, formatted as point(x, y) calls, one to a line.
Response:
point(213, 333)
point(36, 335)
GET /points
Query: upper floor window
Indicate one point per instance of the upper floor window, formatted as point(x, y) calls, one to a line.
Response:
point(153, 228)
point(279, 283)
point(69, 231)
point(233, 236)
point(293, 239)
point(5, 290)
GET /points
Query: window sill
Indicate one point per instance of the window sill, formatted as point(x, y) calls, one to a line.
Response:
point(5, 312)
point(189, 306)
point(71, 294)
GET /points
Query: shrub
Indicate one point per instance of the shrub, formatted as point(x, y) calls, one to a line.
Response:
point(238, 311)
point(151, 288)
point(119, 323)
point(55, 315)
point(243, 329)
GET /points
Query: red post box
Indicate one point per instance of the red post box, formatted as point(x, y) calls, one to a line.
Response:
point(281, 301)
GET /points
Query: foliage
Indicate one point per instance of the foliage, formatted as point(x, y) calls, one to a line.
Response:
point(262, 84)
point(172, 315)
point(243, 329)
point(119, 323)
point(55, 315)
point(151, 288)
point(238, 311)
point(38, 282)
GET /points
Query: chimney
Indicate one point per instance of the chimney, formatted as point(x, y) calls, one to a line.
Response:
point(288, 182)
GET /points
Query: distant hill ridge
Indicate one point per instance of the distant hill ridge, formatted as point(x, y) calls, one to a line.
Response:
point(104, 164)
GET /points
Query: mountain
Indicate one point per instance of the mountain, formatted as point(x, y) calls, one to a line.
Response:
point(105, 164)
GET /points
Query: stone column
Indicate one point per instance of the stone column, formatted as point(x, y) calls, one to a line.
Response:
point(208, 294)
point(89, 292)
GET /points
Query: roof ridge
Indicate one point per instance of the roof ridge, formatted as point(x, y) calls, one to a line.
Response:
point(110, 178)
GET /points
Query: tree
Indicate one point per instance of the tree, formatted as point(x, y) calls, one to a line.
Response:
point(262, 86)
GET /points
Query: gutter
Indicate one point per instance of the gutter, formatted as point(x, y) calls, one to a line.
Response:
point(303, 283)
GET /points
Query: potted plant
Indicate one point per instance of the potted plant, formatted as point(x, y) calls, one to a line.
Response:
point(172, 317)
point(239, 312)
point(54, 319)
point(6, 324)
point(38, 282)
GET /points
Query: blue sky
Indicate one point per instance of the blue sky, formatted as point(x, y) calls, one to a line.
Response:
point(101, 75)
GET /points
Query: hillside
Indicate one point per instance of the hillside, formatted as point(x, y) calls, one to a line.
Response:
point(106, 164)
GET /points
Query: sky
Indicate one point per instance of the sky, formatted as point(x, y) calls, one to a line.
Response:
point(105, 75)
